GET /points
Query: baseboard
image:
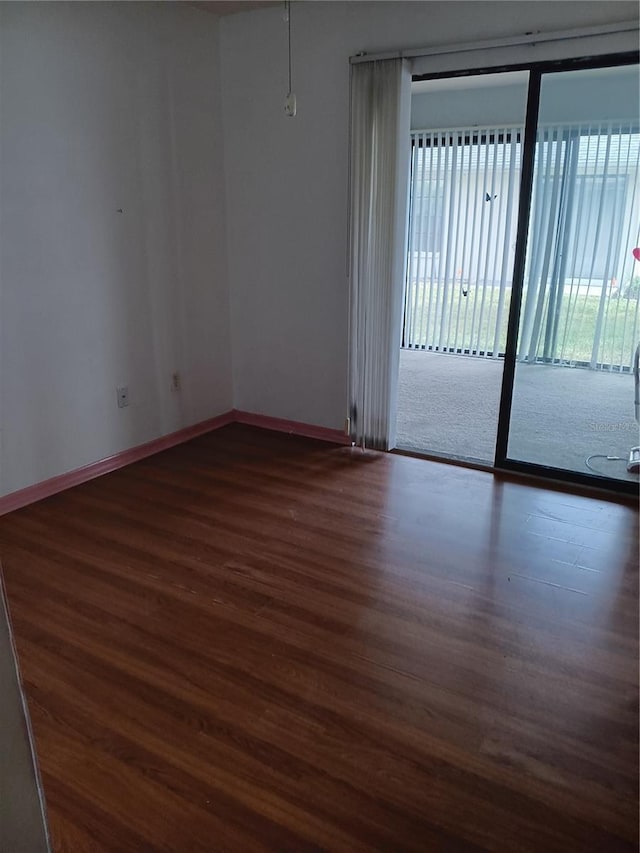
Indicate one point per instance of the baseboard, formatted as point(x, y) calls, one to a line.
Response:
point(23, 497)
point(335, 436)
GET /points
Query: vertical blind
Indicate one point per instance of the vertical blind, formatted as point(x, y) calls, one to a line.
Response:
point(379, 169)
point(582, 285)
point(464, 202)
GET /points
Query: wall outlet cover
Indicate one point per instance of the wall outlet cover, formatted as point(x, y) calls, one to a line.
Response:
point(123, 396)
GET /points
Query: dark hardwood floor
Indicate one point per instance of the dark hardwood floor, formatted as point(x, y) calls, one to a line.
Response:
point(259, 642)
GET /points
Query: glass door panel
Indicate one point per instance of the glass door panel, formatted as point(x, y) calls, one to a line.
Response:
point(466, 152)
point(572, 406)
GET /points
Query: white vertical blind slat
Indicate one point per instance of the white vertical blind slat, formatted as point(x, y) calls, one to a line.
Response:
point(456, 292)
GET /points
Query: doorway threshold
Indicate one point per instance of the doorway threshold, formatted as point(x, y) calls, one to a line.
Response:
point(610, 492)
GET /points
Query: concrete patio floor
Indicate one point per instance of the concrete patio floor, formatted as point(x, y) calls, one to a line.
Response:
point(448, 405)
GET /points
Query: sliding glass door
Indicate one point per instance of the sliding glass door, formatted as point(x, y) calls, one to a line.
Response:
point(522, 290)
point(568, 395)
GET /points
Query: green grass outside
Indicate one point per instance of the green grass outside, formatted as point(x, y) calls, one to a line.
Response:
point(463, 330)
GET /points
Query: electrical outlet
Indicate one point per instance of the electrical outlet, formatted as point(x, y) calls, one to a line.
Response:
point(175, 381)
point(123, 396)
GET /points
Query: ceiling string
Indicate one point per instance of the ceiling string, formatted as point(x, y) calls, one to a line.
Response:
point(288, 5)
point(290, 100)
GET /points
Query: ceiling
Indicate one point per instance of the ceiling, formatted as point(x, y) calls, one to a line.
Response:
point(230, 7)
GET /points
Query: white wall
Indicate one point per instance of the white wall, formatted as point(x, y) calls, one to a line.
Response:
point(286, 179)
point(105, 107)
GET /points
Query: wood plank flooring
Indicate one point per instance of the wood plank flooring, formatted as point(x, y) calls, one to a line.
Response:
point(260, 642)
